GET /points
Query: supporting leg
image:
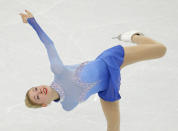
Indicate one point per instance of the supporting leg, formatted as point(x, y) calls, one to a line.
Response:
point(112, 113)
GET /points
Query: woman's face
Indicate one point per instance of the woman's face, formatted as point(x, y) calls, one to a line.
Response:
point(40, 94)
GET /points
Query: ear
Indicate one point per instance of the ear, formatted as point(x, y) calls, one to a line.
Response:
point(44, 105)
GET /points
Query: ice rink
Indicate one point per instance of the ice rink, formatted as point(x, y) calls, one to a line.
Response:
point(81, 30)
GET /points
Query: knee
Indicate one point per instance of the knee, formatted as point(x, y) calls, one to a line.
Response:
point(163, 49)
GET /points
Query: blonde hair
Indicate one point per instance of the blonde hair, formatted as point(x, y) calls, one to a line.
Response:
point(30, 103)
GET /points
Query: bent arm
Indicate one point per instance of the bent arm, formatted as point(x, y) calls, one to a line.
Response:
point(55, 61)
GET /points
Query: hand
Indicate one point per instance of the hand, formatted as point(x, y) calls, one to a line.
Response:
point(26, 16)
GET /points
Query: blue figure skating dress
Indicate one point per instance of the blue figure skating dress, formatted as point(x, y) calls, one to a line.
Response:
point(76, 83)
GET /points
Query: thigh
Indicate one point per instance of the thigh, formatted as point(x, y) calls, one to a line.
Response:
point(112, 113)
point(133, 54)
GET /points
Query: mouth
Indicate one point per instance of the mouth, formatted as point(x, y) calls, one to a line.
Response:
point(45, 90)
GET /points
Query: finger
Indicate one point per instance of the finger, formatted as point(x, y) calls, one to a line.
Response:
point(22, 14)
point(28, 13)
point(24, 18)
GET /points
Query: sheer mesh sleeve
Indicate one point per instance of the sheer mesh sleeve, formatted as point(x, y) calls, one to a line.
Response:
point(75, 84)
point(55, 61)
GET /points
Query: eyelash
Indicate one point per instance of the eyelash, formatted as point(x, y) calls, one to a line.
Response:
point(37, 96)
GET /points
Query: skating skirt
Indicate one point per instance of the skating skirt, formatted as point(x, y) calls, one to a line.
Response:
point(113, 58)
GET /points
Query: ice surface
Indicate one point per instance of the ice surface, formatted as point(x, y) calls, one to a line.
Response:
point(81, 30)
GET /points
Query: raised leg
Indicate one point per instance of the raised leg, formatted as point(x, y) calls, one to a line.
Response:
point(112, 113)
point(145, 49)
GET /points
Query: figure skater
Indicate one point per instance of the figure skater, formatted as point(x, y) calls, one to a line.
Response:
point(74, 84)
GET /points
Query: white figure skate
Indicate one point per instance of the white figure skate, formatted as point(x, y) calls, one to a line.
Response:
point(127, 36)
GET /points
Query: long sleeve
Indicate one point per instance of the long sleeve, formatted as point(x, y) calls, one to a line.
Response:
point(55, 61)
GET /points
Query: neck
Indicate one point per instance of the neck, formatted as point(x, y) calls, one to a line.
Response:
point(54, 94)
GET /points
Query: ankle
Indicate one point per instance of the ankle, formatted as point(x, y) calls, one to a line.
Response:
point(135, 38)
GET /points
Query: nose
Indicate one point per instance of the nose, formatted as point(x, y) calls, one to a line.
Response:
point(40, 92)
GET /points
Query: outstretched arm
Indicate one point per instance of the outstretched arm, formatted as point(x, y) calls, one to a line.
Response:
point(55, 61)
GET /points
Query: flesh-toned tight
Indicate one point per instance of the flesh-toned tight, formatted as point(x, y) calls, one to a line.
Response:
point(146, 49)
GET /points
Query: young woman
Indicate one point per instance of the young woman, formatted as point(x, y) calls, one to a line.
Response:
point(76, 83)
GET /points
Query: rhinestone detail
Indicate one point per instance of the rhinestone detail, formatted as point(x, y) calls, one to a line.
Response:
point(87, 86)
point(59, 89)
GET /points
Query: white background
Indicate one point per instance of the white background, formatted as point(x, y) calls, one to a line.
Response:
point(81, 30)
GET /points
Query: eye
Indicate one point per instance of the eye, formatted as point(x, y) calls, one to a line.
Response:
point(38, 97)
